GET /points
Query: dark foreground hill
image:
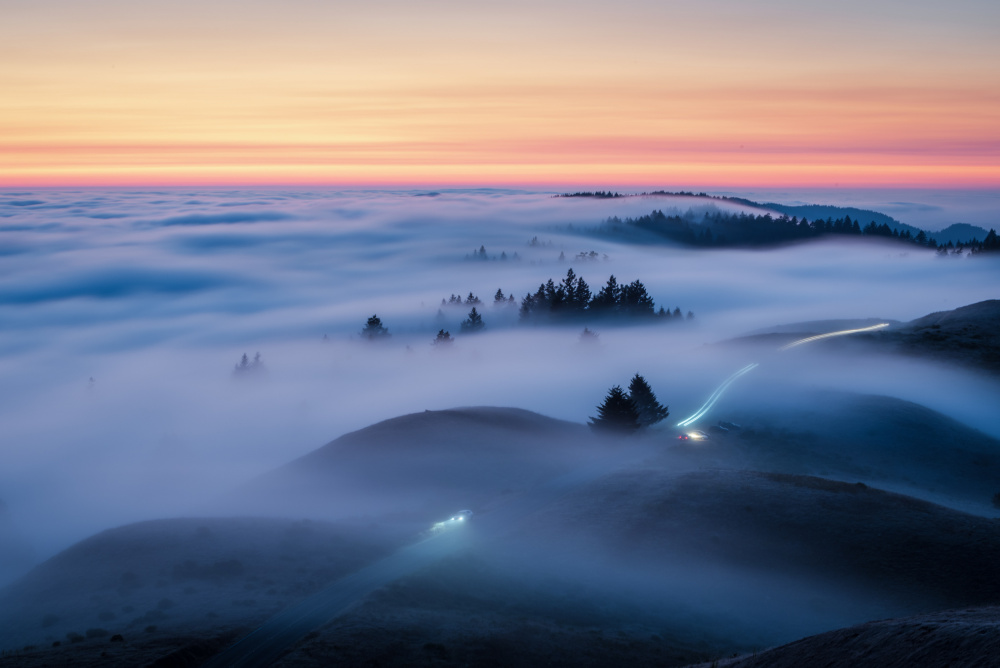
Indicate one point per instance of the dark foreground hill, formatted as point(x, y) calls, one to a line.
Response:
point(655, 556)
point(894, 550)
point(640, 567)
point(954, 638)
point(173, 577)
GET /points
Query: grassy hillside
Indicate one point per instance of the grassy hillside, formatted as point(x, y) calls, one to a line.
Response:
point(421, 466)
point(172, 577)
point(954, 638)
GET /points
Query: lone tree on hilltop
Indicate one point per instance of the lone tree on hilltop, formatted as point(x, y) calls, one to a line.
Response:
point(617, 414)
point(374, 330)
point(474, 323)
point(650, 410)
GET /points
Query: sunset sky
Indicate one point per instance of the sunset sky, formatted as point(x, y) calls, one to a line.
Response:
point(642, 92)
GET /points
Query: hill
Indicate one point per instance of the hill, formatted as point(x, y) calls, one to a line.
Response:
point(666, 560)
point(421, 466)
point(894, 550)
point(882, 441)
point(958, 233)
point(167, 578)
point(968, 335)
point(954, 638)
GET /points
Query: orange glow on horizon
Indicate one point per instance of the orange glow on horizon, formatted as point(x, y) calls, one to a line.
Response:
point(122, 93)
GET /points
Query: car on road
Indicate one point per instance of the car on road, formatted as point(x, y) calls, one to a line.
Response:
point(458, 518)
point(693, 435)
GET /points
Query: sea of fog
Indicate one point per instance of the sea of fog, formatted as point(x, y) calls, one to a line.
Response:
point(123, 313)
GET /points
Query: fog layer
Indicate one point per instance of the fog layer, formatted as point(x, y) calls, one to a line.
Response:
point(124, 313)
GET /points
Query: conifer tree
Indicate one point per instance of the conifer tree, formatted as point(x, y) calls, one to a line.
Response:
point(443, 339)
point(374, 330)
point(617, 414)
point(650, 410)
point(474, 323)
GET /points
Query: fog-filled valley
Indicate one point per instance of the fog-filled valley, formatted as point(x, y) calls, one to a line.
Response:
point(223, 406)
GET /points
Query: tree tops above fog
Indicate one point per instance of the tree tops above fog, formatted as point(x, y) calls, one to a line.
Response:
point(374, 329)
point(721, 229)
point(572, 298)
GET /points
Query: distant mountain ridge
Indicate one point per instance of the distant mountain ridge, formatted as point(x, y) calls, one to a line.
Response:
point(955, 233)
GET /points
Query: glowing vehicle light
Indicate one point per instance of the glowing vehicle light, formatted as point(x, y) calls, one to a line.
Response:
point(842, 332)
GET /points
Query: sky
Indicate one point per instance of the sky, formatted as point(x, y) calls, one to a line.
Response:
point(711, 93)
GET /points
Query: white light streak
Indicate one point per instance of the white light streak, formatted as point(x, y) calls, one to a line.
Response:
point(842, 332)
point(707, 406)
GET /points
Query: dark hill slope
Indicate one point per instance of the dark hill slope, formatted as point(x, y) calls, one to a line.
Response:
point(906, 553)
point(969, 335)
point(423, 465)
point(179, 576)
point(884, 441)
point(954, 638)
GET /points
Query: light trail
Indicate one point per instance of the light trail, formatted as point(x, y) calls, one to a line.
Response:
point(842, 332)
point(707, 406)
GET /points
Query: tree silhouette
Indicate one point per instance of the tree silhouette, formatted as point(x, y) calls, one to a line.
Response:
point(443, 339)
point(617, 414)
point(374, 329)
point(650, 410)
point(474, 323)
point(246, 365)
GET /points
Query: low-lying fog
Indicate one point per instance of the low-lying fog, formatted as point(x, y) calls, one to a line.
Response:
point(124, 313)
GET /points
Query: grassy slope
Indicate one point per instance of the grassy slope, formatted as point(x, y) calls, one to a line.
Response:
point(954, 638)
point(179, 576)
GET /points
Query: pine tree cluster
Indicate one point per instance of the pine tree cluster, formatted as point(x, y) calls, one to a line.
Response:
point(571, 298)
point(625, 413)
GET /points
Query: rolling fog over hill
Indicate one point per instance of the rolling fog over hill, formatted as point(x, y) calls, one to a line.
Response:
point(156, 295)
point(126, 315)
